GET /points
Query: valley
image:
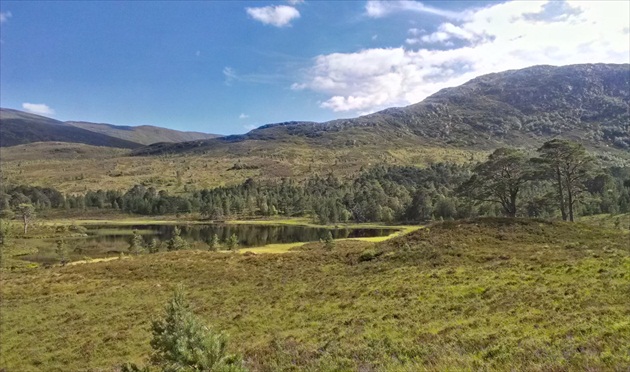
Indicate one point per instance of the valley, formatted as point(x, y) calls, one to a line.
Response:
point(484, 228)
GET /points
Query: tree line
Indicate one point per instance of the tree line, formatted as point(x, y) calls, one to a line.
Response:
point(563, 180)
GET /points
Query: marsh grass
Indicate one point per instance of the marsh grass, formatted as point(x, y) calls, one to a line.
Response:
point(487, 294)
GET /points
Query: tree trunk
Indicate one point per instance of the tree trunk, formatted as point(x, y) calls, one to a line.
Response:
point(570, 196)
point(561, 194)
point(25, 219)
point(513, 203)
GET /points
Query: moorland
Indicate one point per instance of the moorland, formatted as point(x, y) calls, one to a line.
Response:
point(496, 222)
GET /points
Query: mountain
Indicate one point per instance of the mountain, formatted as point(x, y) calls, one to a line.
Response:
point(588, 103)
point(17, 127)
point(144, 134)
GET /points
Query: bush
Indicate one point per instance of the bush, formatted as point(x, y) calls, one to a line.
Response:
point(368, 255)
point(176, 243)
point(232, 242)
point(181, 342)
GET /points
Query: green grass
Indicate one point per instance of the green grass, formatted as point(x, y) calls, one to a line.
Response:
point(486, 294)
point(73, 168)
point(609, 221)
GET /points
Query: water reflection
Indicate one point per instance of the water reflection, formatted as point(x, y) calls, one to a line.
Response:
point(248, 235)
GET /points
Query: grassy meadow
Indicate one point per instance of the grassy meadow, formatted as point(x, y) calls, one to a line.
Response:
point(485, 294)
point(78, 168)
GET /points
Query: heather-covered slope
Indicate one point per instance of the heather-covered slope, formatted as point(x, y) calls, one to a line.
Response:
point(526, 107)
point(144, 134)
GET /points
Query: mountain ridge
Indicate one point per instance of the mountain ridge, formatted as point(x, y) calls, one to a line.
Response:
point(587, 102)
point(19, 127)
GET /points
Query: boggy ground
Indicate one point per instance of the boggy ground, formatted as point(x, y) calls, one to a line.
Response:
point(487, 294)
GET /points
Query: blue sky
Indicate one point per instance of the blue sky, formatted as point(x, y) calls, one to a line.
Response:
point(227, 66)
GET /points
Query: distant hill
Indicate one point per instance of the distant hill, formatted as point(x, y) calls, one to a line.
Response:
point(17, 127)
point(588, 103)
point(144, 134)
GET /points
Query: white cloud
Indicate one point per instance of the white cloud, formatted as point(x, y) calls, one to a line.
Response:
point(38, 108)
point(295, 2)
point(4, 16)
point(249, 127)
point(499, 37)
point(243, 116)
point(379, 9)
point(279, 15)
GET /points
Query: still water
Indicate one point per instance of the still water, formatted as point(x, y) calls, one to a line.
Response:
point(248, 235)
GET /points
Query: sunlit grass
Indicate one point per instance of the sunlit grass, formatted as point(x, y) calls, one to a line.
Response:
point(465, 295)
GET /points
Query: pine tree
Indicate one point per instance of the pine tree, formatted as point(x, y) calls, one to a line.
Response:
point(181, 342)
point(136, 243)
point(569, 165)
point(329, 242)
point(5, 238)
point(61, 250)
point(176, 243)
point(232, 242)
point(154, 246)
point(213, 243)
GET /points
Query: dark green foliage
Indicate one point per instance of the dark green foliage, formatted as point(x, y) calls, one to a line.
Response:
point(499, 179)
point(378, 194)
point(182, 343)
point(213, 243)
point(176, 243)
point(368, 255)
point(61, 250)
point(329, 242)
point(136, 243)
point(5, 239)
point(568, 165)
point(232, 242)
point(154, 246)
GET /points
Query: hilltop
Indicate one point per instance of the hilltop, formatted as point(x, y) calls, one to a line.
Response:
point(18, 128)
point(143, 134)
point(524, 107)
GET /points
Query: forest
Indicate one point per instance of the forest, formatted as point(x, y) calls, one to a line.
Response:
point(563, 181)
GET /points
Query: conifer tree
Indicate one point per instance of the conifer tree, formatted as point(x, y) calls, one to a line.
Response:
point(181, 342)
point(176, 243)
point(136, 243)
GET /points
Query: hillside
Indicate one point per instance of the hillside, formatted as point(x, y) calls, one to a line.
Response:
point(485, 294)
point(17, 128)
point(520, 107)
point(144, 134)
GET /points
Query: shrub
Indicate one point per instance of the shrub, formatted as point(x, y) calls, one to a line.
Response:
point(176, 243)
point(232, 242)
point(329, 242)
point(181, 342)
point(368, 255)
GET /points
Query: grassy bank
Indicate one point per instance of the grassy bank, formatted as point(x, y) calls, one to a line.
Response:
point(479, 295)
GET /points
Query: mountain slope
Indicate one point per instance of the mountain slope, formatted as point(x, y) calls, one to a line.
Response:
point(589, 103)
point(144, 134)
point(18, 128)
